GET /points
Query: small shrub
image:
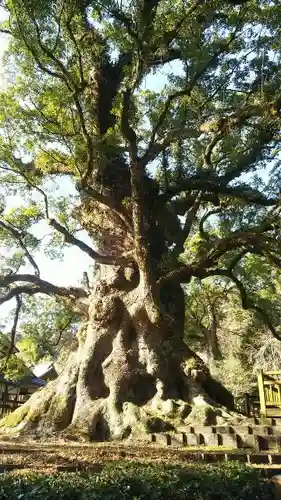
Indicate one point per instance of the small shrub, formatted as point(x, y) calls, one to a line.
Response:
point(139, 482)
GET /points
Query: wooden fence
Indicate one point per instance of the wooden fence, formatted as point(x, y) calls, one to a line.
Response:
point(11, 397)
point(10, 403)
point(269, 386)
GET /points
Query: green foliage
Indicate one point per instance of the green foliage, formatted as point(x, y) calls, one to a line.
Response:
point(204, 302)
point(214, 313)
point(233, 374)
point(139, 482)
point(25, 216)
point(47, 330)
point(5, 344)
point(14, 369)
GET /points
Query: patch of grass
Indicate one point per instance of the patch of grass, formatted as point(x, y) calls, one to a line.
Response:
point(133, 481)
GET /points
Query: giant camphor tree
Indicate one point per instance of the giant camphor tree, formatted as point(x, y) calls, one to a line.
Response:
point(171, 181)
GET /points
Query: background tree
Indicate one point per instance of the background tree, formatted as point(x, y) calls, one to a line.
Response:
point(167, 186)
point(51, 337)
point(46, 333)
point(235, 342)
point(12, 367)
point(204, 313)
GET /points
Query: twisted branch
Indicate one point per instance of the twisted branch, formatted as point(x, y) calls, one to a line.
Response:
point(18, 237)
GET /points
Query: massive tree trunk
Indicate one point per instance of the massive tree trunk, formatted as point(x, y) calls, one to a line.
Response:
point(129, 375)
point(132, 372)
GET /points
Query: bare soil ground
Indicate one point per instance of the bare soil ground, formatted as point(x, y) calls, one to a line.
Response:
point(60, 455)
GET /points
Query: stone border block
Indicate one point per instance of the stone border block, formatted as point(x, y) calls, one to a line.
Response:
point(242, 429)
point(254, 458)
point(228, 440)
point(204, 429)
point(192, 440)
point(248, 441)
point(224, 429)
point(269, 443)
point(261, 430)
point(239, 457)
point(178, 439)
point(209, 439)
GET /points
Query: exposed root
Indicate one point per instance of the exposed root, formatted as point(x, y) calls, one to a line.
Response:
point(100, 420)
point(129, 377)
point(61, 409)
point(204, 413)
point(49, 409)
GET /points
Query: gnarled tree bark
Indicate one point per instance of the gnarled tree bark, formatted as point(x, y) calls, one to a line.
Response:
point(129, 376)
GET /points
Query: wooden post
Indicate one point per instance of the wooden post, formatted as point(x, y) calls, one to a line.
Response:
point(247, 405)
point(261, 393)
point(271, 395)
point(278, 394)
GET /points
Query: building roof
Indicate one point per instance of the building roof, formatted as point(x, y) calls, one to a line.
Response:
point(27, 380)
point(42, 369)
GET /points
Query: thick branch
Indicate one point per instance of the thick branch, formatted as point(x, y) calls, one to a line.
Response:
point(217, 186)
point(189, 219)
point(110, 202)
point(5, 31)
point(36, 285)
point(207, 157)
point(254, 236)
point(181, 205)
point(72, 37)
point(205, 267)
point(248, 304)
point(137, 176)
point(30, 167)
point(102, 259)
point(158, 147)
point(235, 261)
point(148, 12)
point(253, 155)
point(137, 201)
point(204, 235)
point(188, 89)
point(272, 258)
point(45, 285)
point(182, 274)
point(14, 327)
point(170, 35)
point(161, 59)
point(19, 290)
point(18, 237)
point(126, 21)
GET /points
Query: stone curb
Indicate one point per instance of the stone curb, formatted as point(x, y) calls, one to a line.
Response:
point(258, 438)
point(191, 456)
